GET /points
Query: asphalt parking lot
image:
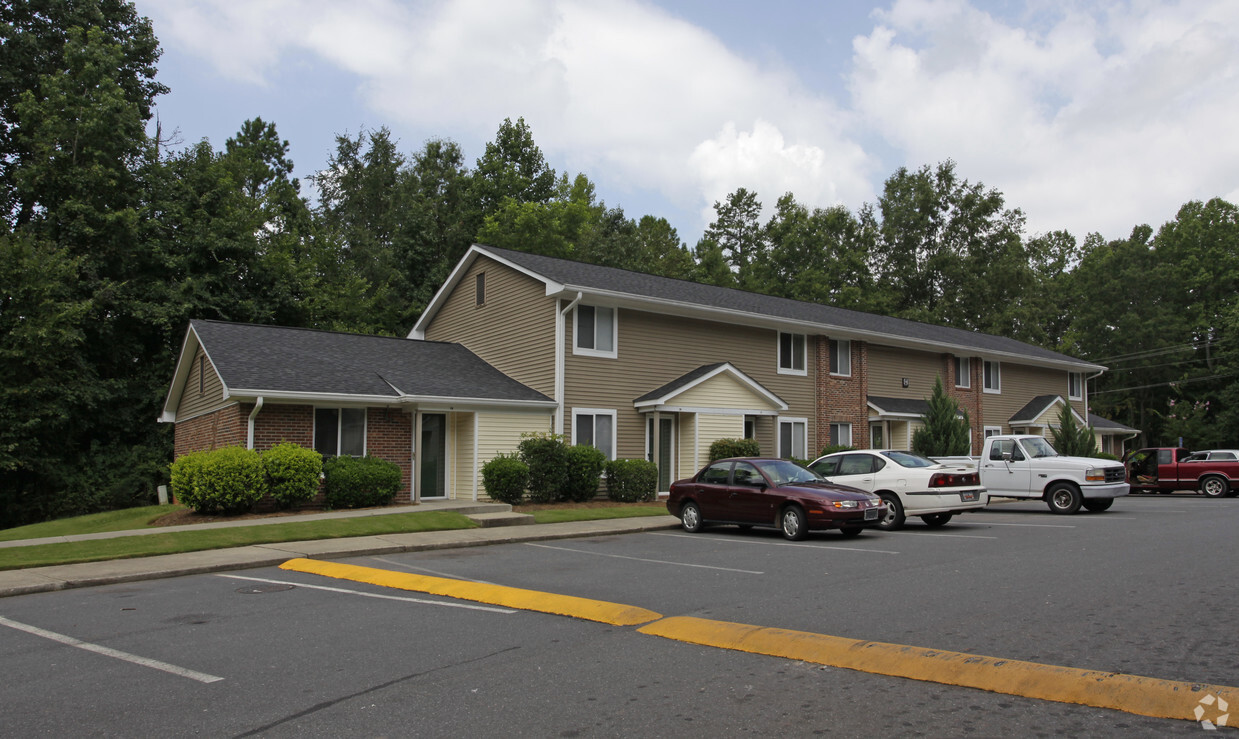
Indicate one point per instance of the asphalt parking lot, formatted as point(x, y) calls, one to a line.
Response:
point(1143, 589)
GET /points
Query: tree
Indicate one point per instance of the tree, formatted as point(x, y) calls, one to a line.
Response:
point(1070, 438)
point(819, 256)
point(512, 167)
point(737, 232)
point(945, 429)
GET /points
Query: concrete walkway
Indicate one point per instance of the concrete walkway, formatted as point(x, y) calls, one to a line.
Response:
point(61, 577)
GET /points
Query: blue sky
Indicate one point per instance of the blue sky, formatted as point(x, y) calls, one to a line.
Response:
point(1088, 116)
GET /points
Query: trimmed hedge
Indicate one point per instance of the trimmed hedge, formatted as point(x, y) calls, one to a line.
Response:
point(293, 473)
point(585, 466)
point(505, 478)
point(228, 480)
point(832, 448)
point(725, 448)
point(632, 480)
point(547, 457)
point(359, 482)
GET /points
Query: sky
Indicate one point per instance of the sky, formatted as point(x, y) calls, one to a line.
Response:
point(1088, 116)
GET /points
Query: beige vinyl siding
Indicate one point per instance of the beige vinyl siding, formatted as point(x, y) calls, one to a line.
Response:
point(888, 366)
point(499, 432)
point(1020, 384)
point(464, 473)
point(654, 349)
point(711, 427)
point(686, 445)
point(722, 391)
point(514, 330)
point(195, 402)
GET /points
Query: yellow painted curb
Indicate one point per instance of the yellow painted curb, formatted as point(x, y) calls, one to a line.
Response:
point(1146, 696)
point(499, 595)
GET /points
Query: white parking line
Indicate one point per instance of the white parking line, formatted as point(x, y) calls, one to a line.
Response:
point(1025, 525)
point(372, 595)
point(642, 559)
point(699, 537)
point(155, 664)
point(952, 536)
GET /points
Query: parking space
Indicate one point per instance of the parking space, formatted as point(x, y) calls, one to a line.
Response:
point(1137, 590)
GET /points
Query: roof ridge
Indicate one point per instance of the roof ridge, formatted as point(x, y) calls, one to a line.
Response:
point(311, 329)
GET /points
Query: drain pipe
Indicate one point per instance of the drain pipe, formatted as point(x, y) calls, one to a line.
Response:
point(560, 330)
point(249, 440)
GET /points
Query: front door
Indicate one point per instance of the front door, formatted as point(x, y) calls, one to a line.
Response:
point(665, 456)
point(432, 480)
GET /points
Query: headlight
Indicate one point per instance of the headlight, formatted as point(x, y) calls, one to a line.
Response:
point(846, 504)
point(1095, 475)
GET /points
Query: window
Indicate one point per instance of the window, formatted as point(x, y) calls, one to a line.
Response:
point(993, 377)
point(858, 464)
point(841, 434)
point(595, 331)
point(595, 428)
point(992, 431)
point(750, 427)
point(826, 466)
point(340, 432)
point(963, 372)
point(716, 474)
point(791, 354)
point(876, 436)
point(201, 374)
point(1004, 447)
point(1075, 386)
point(792, 437)
point(480, 287)
point(746, 474)
point(841, 357)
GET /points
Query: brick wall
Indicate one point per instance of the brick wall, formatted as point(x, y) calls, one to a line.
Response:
point(276, 424)
point(221, 428)
point(389, 435)
point(969, 398)
point(842, 399)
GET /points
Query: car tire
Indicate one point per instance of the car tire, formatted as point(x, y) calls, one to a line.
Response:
point(690, 517)
point(793, 524)
point(851, 532)
point(1063, 498)
point(1214, 486)
point(937, 520)
point(1097, 505)
point(894, 518)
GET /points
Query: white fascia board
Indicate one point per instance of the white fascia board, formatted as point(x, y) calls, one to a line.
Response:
point(757, 320)
point(180, 376)
point(311, 398)
point(645, 408)
point(730, 369)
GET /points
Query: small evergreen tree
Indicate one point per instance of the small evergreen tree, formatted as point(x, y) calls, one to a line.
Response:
point(1070, 438)
point(943, 433)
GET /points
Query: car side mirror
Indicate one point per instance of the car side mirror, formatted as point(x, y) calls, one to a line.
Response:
point(1006, 456)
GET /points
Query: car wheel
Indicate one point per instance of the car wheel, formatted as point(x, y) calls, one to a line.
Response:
point(690, 517)
point(894, 518)
point(1214, 486)
point(1097, 505)
point(851, 532)
point(937, 520)
point(1063, 498)
point(792, 523)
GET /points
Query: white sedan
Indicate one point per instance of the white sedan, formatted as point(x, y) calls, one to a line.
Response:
point(910, 484)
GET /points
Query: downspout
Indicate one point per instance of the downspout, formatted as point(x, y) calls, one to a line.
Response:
point(249, 440)
point(1086, 379)
point(560, 358)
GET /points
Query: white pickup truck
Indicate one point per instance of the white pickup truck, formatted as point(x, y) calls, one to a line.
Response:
point(1025, 466)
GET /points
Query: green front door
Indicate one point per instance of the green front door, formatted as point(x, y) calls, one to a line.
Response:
point(666, 455)
point(432, 454)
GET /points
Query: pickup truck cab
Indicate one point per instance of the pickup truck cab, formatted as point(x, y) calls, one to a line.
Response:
point(1026, 466)
point(1166, 469)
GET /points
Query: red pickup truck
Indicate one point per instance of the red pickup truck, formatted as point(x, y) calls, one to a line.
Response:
point(1164, 469)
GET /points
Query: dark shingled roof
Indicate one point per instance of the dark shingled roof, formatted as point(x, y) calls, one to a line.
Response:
point(900, 405)
point(278, 359)
point(1034, 408)
point(1104, 424)
point(614, 280)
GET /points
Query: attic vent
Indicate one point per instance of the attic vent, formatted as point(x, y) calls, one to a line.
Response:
point(481, 288)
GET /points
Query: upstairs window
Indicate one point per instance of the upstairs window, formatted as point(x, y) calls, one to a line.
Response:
point(841, 357)
point(963, 372)
point(340, 432)
point(479, 285)
point(791, 354)
point(993, 377)
point(1075, 386)
point(595, 331)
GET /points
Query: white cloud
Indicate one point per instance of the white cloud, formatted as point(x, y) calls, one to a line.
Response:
point(1099, 122)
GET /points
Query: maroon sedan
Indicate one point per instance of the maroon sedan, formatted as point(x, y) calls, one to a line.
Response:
point(771, 492)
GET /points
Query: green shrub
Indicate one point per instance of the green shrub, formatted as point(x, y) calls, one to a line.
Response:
point(505, 478)
point(228, 481)
point(547, 457)
point(585, 465)
point(1104, 455)
point(725, 448)
point(359, 482)
point(292, 473)
point(832, 448)
point(631, 480)
point(184, 477)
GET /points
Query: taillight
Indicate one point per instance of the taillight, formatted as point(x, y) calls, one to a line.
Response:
point(954, 479)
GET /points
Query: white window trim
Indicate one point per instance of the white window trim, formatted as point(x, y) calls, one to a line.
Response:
point(842, 353)
point(804, 439)
point(596, 412)
point(1080, 390)
point(576, 332)
point(365, 427)
point(804, 354)
point(997, 390)
point(850, 431)
point(989, 431)
point(964, 364)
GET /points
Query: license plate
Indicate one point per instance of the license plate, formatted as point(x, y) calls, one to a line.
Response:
point(970, 495)
point(871, 514)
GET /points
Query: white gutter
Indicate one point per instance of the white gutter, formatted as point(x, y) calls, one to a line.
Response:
point(560, 358)
point(249, 440)
point(1086, 379)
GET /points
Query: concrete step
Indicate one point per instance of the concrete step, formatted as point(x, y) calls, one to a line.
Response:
point(508, 518)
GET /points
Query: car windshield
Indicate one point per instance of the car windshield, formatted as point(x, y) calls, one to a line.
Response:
point(783, 472)
point(905, 459)
point(1037, 447)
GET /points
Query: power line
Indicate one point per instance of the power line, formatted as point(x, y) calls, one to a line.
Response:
point(1171, 383)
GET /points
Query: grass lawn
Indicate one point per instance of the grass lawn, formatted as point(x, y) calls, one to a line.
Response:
point(95, 523)
point(630, 510)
